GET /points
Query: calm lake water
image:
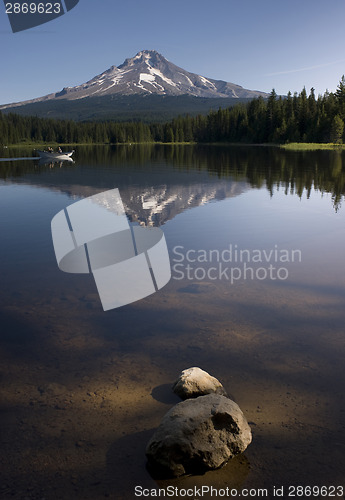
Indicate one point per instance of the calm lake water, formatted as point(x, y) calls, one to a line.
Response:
point(256, 238)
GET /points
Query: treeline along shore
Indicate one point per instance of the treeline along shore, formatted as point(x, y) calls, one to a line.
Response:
point(280, 120)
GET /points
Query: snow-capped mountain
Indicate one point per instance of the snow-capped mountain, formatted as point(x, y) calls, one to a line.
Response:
point(148, 73)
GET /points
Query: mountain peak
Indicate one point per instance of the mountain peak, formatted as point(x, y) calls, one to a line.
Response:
point(150, 57)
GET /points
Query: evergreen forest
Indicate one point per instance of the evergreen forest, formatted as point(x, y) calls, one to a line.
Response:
point(299, 117)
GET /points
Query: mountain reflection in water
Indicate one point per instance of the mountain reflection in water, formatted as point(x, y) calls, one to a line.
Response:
point(153, 192)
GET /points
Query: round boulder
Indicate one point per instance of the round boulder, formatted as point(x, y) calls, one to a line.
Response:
point(197, 435)
point(195, 382)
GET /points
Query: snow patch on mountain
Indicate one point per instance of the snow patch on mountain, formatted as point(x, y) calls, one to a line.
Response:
point(164, 78)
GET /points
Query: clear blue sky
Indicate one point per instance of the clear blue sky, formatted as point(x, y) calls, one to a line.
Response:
point(256, 44)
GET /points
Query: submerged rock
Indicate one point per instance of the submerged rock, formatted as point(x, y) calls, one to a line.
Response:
point(52, 389)
point(195, 382)
point(197, 435)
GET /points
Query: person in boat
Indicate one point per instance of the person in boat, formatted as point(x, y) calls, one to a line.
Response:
point(59, 150)
point(50, 150)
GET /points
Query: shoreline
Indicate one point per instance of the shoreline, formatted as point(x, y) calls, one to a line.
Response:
point(295, 146)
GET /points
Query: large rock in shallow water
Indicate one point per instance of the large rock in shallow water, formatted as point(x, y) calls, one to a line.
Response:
point(197, 435)
point(195, 382)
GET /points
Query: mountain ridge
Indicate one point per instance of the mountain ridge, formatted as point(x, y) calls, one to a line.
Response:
point(147, 73)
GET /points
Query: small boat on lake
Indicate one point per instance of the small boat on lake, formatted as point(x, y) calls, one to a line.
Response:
point(55, 155)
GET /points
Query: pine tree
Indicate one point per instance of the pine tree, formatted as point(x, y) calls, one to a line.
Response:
point(340, 96)
point(337, 129)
